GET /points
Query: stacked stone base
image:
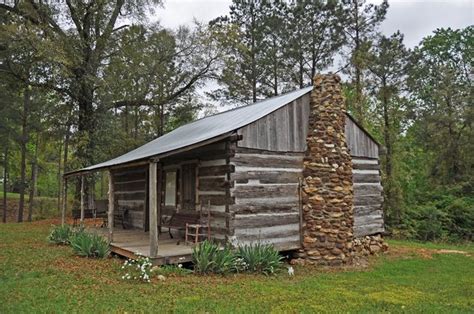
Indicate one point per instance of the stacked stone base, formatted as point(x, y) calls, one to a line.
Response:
point(361, 248)
point(369, 245)
point(322, 257)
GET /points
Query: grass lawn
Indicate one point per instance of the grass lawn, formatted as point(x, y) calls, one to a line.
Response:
point(38, 277)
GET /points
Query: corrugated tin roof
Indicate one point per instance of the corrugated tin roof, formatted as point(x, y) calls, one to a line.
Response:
point(203, 129)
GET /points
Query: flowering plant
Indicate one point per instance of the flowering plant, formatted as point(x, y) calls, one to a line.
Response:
point(137, 269)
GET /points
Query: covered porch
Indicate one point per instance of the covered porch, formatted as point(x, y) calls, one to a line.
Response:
point(185, 188)
point(128, 243)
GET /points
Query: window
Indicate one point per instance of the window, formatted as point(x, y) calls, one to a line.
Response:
point(170, 188)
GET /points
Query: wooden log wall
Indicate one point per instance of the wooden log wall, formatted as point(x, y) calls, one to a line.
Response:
point(257, 189)
point(368, 214)
point(284, 130)
point(213, 170)
point(130, 192)
point(359, 142)
point(265, 190)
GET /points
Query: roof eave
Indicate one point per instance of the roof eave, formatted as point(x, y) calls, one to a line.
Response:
point(148, 159)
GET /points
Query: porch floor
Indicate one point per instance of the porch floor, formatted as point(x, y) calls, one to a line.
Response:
point(128, 243)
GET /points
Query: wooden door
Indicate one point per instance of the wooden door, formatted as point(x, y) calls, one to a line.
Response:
point(188, 183)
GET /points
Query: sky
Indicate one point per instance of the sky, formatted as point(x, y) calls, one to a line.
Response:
point(414, 18)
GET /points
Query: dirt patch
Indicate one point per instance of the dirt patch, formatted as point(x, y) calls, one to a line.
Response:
point(57, 221)
point(406, 252)
point(443, 251)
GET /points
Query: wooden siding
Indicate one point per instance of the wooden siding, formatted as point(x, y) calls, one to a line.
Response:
point(360, 144)
point(211, 182)
point(284, 130)
point(130, 192)
point(368, 214)
point(265, 170)
point(265, 191)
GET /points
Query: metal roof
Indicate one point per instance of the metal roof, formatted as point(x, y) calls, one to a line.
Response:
point(202, 130)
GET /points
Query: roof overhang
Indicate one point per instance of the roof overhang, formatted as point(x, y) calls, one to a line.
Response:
point(149, 159)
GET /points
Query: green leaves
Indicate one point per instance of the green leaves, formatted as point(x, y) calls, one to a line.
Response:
point(209, 257)
point(259, 258)
point(60, 234)
point(89, 245)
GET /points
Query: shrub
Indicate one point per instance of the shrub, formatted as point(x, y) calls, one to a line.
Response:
point(430, 223)
point(60, 234)
point(137, 269)
point(446, 217)
point(259, 258)
point(89, 245)
point(208, 257)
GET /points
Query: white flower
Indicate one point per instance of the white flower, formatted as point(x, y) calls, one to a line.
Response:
point(291, 271)
point(233, 241)
point(180, 265)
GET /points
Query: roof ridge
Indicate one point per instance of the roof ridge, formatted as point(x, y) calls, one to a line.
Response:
point(203, 129)
point(247, 105)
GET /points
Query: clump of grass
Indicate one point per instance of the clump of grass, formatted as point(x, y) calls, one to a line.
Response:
point(258, 258)
point(60, 234)
point(261, 258)
point(208, 257)
point(89, 245)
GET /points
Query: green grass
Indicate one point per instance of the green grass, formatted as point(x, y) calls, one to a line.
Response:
point(16, 196)
point(39, 277)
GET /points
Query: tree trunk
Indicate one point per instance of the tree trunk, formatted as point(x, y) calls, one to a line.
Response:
point(275, 68)
point(388, 156)
point(60, 181)
point(86, 126)
point(125, 113)
point(5, 181)
point(23, 142)
point(34, 176)
point(359, 112)
point(137, 122)
point(161, 130)
point(65, 160)
point(301, 71)
point(275, 80)
point(252, 58)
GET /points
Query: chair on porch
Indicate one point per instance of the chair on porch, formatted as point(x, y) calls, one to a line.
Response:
point(202, 229)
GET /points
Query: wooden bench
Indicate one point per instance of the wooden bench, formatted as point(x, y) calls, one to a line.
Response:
point(179, 220)
point(76, 215)
point(101, 208)
point(120, 217)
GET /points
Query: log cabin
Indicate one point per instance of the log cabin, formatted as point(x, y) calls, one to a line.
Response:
point(295, 170)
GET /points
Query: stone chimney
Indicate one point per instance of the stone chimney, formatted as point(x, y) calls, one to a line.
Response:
point(327, 186)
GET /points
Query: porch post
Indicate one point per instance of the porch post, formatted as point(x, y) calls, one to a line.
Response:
point(64, 205)
point(153, 207)
point(82, 200)
point(110, 216)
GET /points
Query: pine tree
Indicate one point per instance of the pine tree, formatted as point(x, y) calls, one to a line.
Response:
point(315, 36)
point(388, 59)
point(361, 21)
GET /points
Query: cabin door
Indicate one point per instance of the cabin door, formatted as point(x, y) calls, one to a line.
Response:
point(188, 186)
